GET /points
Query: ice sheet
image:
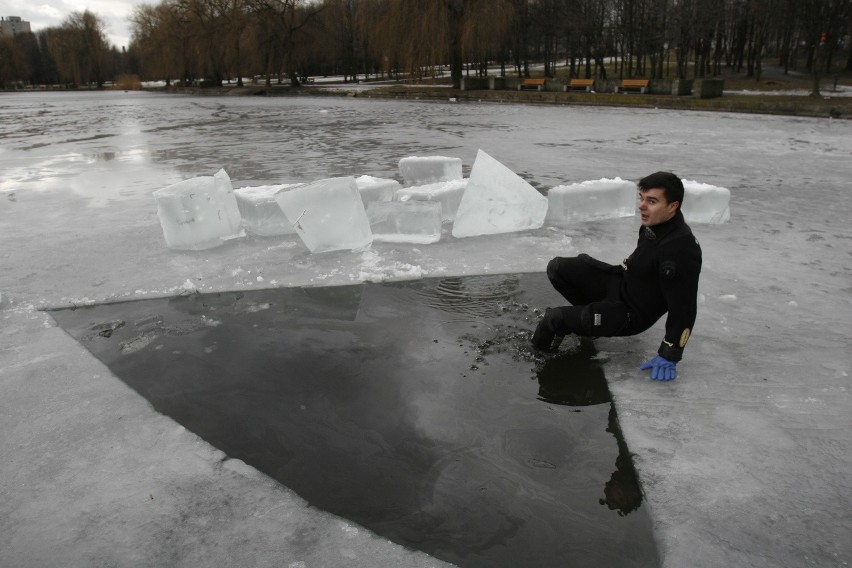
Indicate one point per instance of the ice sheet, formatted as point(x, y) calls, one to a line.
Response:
point(78, 226)
point(589, 200)
point(705, 203)
point(260, 211)
point(421, 170)
point(327, 214)
point(198, 213)
point(497, 200)
point(376, 189)
point(405, 221)
point(447, 193)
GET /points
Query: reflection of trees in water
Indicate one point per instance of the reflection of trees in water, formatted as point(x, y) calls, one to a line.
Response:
point(576, 378)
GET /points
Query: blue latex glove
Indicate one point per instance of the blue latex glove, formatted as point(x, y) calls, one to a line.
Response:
point(661, 368)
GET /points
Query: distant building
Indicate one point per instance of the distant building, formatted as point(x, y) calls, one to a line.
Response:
point(13, 25)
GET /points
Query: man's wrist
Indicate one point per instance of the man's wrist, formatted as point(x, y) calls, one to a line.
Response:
point(669, 351)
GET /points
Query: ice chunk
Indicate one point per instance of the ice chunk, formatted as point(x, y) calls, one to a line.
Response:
point(448, 193)
point(376, 189)
point(405, 221)
point(497, 200)
point(260, 211)
point(327, 214)
point(588, 200)
point(198, 213)
point(703, 203)
point(429, 169)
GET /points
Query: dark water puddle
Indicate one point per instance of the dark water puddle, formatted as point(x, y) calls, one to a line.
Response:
point(414, 409)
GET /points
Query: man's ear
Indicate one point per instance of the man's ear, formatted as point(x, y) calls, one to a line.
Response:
point(676, 204)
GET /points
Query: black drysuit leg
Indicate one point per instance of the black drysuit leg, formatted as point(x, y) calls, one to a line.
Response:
point(593, 289)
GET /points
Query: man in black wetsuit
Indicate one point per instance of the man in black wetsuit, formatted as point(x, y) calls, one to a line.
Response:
point(661, 276)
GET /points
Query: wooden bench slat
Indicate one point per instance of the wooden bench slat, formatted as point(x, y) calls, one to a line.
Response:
point(640, 84)
point(531, 83)
point(587, 84)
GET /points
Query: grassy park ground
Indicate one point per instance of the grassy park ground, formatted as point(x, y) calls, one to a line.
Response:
point(776, 92)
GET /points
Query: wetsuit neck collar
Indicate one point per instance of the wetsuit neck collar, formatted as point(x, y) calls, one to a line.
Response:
point(662, 229)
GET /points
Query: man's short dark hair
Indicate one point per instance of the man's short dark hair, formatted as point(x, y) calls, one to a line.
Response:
point(670, 184)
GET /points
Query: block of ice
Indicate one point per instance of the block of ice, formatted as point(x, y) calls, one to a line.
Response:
point(703, 203)
point(420, 170)
point(447, 193)
point(327, 214)
point(405, 221)
point(589, 200)
point(376, 189)
point(260, 211)
point(497, 200)
point(198, 213)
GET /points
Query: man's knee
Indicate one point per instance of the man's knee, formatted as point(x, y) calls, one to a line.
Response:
point(561, 268)
point(553, 268)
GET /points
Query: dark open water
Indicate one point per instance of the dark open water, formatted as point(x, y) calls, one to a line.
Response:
point(415, 409)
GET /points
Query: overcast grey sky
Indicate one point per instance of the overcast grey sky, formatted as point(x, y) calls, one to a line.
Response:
point(45, 13)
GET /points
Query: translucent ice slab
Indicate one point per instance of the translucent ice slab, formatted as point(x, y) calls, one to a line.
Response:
point(497, 200)
point(417, 170)
point(327, 214)
point(376, 189)
point(260, 211)
point(589, 200)
point(405, 221)
point(703, 203)
point(198, 213)
point(447, 193)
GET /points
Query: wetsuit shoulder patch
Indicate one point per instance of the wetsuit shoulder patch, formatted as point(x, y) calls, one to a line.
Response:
point(668, 269)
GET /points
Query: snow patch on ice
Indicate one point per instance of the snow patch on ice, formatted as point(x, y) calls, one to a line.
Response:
point(373, 270)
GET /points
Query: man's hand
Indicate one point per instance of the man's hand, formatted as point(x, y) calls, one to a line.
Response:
point(661, 368)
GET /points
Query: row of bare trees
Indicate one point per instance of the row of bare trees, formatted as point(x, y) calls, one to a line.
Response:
point(288, 40)
point(216, 39)
point(75, 53)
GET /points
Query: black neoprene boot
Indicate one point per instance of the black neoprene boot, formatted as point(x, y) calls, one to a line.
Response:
point(544, 337)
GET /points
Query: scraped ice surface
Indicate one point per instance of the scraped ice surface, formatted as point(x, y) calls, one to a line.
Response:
point(327, 214)
point(497, 200)
point(589, 200)
point(447, 193)
point(260, 211)
point(376, 189)
point(198, 213)
point(421, 170)
point(405, 221)
point(704, 203)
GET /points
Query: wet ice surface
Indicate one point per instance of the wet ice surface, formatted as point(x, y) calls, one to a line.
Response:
point(416, 410)
point(745, 458)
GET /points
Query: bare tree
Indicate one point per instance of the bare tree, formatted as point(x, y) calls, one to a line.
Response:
point(79, 47)
point(277, 23)
point(13, 63)
point(156, 39)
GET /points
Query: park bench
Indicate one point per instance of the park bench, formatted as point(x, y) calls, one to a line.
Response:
point(537, 84)
point(585, 84)
point(641, 84)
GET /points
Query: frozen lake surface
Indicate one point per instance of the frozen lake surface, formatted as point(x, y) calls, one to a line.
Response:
point(744, 459)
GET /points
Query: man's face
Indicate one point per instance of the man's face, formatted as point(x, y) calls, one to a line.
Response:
point(653, 207)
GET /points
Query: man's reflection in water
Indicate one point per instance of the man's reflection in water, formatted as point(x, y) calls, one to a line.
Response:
point(576, 378)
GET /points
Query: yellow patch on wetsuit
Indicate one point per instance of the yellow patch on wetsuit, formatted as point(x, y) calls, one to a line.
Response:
point(684, 337)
